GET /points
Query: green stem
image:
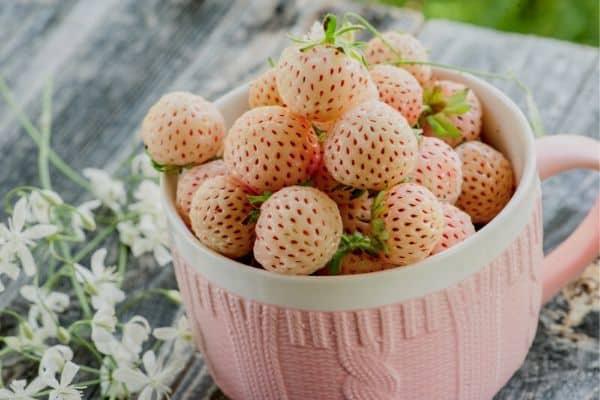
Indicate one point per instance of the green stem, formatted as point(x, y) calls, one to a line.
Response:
point(83, 301)
point(138, 297)
point(93, 244)
point(89, 369)
point(88, 346)
point(36, 136)
point(122, 263)
point(12, 314)
point(45, 128)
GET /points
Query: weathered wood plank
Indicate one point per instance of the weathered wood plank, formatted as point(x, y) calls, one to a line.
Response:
point(112, 59)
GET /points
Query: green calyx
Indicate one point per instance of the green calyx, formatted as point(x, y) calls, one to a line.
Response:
point(349, 243)
point(439, 107)
point(321, 133)
point(166, 168)
point(256, 201)
point(379, 234)
point(342, 39)
point(373, 244)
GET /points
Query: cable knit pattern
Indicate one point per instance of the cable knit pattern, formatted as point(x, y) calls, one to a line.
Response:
point(461, 343)
point(369, 377)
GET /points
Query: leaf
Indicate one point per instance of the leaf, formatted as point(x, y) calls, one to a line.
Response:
point(258, 199)
point(272, 63)
point(457, 98)
point(457, 109)
point(308, 183)
point(436, 126)
point(449, 128)
point(252, 217)
point(356, 193)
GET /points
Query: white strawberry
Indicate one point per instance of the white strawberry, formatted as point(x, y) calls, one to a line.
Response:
point(219, 216)
point(268, 148)
point(263, 90)
point(452, 113)
point(399, 89)
point(298, 231)
point(457, 227)
point(488, 181)
point(405, 47)
point(408, 221)
point(322, 78)
point(371, 147)
point(189, 181)
point(183, 129)
point(439, 169)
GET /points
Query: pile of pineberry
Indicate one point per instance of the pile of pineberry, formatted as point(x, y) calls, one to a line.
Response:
point(352, 158)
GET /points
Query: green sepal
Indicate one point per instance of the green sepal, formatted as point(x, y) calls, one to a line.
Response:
point(356, 193)
point(379, 234)
point(258, 199)
point(165, 168)
point(349, 243)
point(307, 183)
point(449, 129)
point(252, 217)
point(321, 133)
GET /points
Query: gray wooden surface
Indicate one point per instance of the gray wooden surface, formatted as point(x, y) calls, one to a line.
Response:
point(112, 59)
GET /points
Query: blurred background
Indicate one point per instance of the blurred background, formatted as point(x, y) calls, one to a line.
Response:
point(572, 20)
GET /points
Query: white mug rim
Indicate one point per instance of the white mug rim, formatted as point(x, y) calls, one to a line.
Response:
point(361, 291)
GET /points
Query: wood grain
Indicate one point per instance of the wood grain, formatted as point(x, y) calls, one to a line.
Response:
point(112, 59)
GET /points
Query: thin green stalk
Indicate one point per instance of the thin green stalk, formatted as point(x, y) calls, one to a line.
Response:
point(122, 264)
point(36, 136)
point(93, 244)
point(138, 297)
point(83, 301)
point(88, 346)
point(89, 369)
point(46, 129)
point(12, 314)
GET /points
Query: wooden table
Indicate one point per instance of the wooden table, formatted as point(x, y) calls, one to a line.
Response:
point(112, 59)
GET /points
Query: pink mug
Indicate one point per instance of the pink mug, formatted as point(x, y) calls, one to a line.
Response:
point(454, 326)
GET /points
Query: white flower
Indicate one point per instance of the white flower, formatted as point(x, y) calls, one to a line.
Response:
point(84, 218)
point(63, 390)
point(100, 282)
point(180, 331)
point(156, 379)
point(44, 306)
point(109, 191)
point(15, 241)
point(44, 299)
point(19, 390)
point(8, 266)
point(149, 233)
point(316, 32)
point(103, 326)
point(109, 387)
point(180, 334)
point(30, 337)
point(135, 332)
point(40, 204)
point(142, 165)
point(54, 360)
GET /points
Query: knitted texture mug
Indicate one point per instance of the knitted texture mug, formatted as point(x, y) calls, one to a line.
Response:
point(454, 326)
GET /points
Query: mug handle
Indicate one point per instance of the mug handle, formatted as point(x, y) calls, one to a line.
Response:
point(560, 153)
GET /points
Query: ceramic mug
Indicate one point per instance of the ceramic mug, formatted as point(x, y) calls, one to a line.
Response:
point(454, 326)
